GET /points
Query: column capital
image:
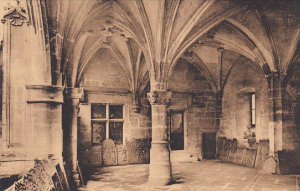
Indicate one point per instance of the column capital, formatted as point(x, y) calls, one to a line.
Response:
point(161, 97)
point(220, 49)
point(275, 74)
point(73, 93)
point(158, 85)
point(73, 96)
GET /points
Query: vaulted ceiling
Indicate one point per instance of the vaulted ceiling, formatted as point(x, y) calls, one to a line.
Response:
point(148, 37)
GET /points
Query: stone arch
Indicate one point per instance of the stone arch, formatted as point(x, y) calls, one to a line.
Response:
point(112, 54)
point(85, 25)
point(258, 53)
point(197, 62)
point(96, 48)
point(259, 50)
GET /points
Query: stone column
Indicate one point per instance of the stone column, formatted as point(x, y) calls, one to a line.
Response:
point(219, 100)
point(219, 95)
point(277, 99)
point(72, 97)
point(160, 172)
point(220, 57)
point(275, 114)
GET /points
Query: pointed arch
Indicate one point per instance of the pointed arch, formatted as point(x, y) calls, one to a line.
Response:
point(292, 53)
point(178, 49)
point(259, 49)
point(196, 61)
point(93, 50)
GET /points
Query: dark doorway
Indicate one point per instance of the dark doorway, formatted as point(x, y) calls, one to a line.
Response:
point(177, 132)
point(209, 145)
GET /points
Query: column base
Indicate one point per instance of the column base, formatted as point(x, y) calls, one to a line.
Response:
point(160, 174)
point(76, 179)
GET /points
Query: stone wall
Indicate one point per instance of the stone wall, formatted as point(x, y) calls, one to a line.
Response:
point(30, 119)
point(289, 156)
point(137, 127)
point(291, 111)
point(112, 87)
point(244, 78)
point(114, 77)
point(193, 95)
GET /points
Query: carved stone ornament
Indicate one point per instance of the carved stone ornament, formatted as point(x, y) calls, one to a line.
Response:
point(107, 30)
point(15, 12)
point(160, 97)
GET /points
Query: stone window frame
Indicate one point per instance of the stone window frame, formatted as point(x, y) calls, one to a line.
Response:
point(249, 92)
point(107, 120)
point(253, 109)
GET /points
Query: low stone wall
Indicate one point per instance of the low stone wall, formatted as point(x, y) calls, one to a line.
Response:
point(228, 150)
point(133, 152)
point(43, 176)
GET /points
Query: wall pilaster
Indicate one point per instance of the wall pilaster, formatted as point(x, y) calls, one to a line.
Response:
point(72, 98)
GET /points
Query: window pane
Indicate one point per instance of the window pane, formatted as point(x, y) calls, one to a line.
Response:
point(253, 117)
point(99, 131)
point(116, 112)
point(253, 109)
point(253, 101)
point(98, 111)
point(116, 132)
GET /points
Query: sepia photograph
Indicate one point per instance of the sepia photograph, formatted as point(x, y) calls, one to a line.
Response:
point(150, 95)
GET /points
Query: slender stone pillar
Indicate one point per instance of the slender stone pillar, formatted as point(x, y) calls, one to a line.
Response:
point(219, 99)
point(277, 97)
point(271, 118)
point(275, 114)
point(72, 97)
point(160, 172)
point(219, 95)
point(220, 56)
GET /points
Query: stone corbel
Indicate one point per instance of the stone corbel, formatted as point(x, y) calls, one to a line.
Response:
point(73, 93)
point(160, 97)
point(15, 12)
point(273, 76)
point(136, 105)
point(73, 96)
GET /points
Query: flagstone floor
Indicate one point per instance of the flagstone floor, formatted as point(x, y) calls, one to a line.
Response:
point(203, 175)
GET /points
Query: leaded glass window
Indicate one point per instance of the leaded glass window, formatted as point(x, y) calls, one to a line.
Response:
point(107, 123)
point(98, 111)
point(116, 112)
point(116, 132)
point(99, 132)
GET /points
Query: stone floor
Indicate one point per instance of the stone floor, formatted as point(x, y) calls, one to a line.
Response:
point(204, 176)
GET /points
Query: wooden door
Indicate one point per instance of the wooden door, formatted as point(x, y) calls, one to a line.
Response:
point(209, 145)
point(176, 130)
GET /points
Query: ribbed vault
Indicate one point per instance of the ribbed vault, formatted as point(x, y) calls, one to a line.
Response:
point(164, 35)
